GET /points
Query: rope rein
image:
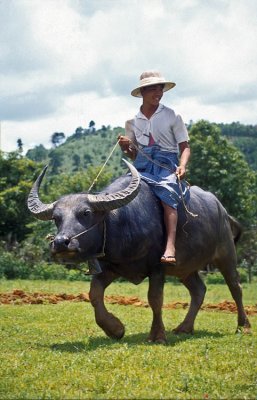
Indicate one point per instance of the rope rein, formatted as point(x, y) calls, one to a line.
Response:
point(101, 169)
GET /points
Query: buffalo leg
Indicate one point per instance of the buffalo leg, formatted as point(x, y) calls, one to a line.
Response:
point(107, 321)
point(232, 279)
point(197, 290)
point(155, 299)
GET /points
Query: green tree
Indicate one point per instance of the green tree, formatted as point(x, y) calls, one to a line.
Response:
point(78, 132)
point(247, 251)
point(75, 162)
point(57, 138)
point(248, 146)
point(20, 145)
point(87, 160)
point(38, 153)
point(92, 126)
point(56, 160)
point(218, 166)
point(16, 177)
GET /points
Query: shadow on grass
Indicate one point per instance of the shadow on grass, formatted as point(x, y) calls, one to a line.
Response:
point(94, 343)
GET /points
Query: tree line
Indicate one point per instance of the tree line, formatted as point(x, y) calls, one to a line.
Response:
point(215, 165)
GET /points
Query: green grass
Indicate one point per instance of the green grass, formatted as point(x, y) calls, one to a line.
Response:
point(58, 352)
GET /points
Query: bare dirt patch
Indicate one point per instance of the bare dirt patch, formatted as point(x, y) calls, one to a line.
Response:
point(19, 297)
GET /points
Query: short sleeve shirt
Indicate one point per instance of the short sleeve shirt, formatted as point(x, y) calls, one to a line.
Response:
point(165, 127)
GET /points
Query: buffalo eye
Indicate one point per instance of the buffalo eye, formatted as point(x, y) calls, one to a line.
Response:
point(87, 213)
point(56, 220)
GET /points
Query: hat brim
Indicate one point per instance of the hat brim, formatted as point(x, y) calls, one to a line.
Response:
point(167, 86)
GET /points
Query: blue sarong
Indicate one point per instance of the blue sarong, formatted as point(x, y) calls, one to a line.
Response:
point(162, 178)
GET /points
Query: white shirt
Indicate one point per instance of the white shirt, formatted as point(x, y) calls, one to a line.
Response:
point(166, 128)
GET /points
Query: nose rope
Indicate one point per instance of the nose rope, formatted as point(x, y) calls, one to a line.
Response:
point(102, 254)
point(85, 231)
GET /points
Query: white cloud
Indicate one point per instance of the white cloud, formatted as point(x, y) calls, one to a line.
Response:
point(64, 62)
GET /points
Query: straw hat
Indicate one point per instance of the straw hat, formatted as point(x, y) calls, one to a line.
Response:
point(150, 78)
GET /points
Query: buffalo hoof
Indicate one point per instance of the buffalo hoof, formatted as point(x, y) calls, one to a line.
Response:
point(245, 330)
point(183, 328)
point(158, 341)
point(112, 327)
point(159, 338)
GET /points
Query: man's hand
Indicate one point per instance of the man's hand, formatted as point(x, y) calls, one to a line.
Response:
point(181, 172)
point(124, 143)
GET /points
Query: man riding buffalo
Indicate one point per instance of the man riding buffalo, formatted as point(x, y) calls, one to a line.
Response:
point(123, 228)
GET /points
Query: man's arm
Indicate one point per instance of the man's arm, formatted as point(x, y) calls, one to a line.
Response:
point(184, 158)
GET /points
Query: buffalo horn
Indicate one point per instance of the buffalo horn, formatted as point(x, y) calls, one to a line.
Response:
point(36, 207)
point(111, 201)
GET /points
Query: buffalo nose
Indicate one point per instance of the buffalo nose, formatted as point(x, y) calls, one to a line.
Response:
point(61, 242)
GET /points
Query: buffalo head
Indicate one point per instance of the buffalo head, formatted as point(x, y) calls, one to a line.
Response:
point(79, 218)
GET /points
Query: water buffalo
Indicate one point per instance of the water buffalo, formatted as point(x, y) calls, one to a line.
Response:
point(123, 227)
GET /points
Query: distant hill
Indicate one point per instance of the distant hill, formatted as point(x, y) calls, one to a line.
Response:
point(244, 137)
point(90, 147)
point(82, 149)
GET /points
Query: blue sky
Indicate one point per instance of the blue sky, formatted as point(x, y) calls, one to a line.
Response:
point(64, 63)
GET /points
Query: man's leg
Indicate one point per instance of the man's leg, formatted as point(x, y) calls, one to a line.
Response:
point(170, 220)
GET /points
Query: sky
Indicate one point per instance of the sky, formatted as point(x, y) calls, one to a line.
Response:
point(64, 63)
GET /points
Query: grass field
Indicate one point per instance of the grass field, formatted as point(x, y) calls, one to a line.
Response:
point(58, 352)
